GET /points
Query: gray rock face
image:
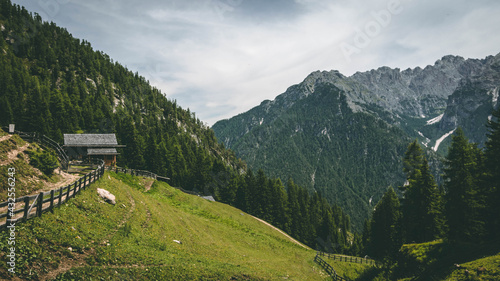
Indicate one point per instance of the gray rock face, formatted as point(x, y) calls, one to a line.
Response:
point(415, 92)
point(401, 95)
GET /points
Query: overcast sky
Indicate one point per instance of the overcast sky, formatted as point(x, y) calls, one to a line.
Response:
point(222, 57)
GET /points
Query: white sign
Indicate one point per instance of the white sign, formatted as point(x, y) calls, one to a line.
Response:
point(11, 128)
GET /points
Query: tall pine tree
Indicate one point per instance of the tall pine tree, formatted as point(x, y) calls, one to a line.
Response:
point(385, 234)
point(492, 164)
point(422, 208)
point(463, 200)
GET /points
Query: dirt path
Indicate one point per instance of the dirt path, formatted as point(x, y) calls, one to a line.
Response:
point(6, 137)
point(280, 231)
point(66, 179)
point(12, 155)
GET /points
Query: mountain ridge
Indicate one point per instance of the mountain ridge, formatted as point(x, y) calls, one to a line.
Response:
point(362, 89)
point(420, 103)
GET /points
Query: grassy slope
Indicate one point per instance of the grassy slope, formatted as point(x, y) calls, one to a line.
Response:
point(133, 240)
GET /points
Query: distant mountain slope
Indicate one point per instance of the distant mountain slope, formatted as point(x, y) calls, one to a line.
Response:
point(345, 135)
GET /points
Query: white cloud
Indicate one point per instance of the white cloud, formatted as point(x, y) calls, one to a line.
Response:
point(222, 57)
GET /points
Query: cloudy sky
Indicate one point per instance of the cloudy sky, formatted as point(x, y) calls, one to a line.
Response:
point(223, 57)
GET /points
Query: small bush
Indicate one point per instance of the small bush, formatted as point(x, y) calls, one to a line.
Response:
point(43, 160)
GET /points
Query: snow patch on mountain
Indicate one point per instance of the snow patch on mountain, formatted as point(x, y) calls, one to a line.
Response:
point(435, 119)
point(441, 139)
point(427, 140)
point(494, 95)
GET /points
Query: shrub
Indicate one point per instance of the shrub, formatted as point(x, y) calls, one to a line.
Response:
point(44, 160)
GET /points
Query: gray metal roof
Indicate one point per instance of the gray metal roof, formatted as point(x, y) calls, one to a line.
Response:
point(101, 151)
point(90, 140)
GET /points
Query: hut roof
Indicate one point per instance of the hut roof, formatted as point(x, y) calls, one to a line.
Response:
point(91, 140)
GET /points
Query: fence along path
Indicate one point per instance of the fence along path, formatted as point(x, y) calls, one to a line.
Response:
point(328, 268)
point(148, 174)
point(23, 208)
point(347, 258)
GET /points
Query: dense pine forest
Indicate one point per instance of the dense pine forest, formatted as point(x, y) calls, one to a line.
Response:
point(53, 83)
point(463, 211)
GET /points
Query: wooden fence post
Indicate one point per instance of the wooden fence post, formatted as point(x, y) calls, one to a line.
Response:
point(84, 181)
point(74, 190)
point(67, 193)
point(26, 207)
point(39, 205)
point(60, 195)
point(52, 200)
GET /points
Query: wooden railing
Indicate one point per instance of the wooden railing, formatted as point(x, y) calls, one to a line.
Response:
point(336, 257)
point(36, 205)
point(134, 172)
point(328, 268)
point(148, 174)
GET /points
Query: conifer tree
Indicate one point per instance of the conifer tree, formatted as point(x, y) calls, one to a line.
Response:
point(135, 144)
point(431, 206)
point(412, 163)
point(294, 210)
point(385, 239)
point(463, 205)
point(413, 160)
point(492, 164)
point(422, 205)
point(279, 205)
point(366, 235)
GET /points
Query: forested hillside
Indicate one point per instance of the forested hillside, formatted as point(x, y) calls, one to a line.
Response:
point(53, 83)
point(323, 145)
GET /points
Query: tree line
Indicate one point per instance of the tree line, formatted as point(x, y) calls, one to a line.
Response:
point(465, 208)
point(307, 217)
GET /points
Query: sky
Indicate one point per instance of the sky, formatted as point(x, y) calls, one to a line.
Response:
point(220, 58)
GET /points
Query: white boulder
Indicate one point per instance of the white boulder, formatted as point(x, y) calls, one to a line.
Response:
point(106, 195)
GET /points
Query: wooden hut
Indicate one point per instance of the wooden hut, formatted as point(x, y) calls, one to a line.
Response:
point(88, 146)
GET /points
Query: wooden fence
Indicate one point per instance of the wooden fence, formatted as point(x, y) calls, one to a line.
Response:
point(328, 268)
point(347, 258)
point(36, 205)
point(134, 172)
point(148, 174)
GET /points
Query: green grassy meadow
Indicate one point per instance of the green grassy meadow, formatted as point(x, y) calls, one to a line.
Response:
point(87, 239)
